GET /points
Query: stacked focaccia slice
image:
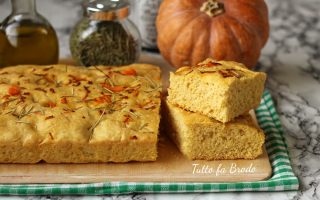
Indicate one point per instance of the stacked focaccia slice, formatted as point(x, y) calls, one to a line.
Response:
point(208, 110)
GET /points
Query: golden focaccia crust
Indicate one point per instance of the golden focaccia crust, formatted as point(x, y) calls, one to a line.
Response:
point(222, 90)
point(69, 114)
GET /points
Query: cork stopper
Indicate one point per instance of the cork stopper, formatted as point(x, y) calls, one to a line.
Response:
point(110, 15)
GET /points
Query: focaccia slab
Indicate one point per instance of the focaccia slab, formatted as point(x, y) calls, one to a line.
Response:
point(68, 114)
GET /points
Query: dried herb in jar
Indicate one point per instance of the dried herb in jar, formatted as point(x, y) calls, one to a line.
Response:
point(107, 43)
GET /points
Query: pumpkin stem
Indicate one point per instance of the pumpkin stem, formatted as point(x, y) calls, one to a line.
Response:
point(212, 8)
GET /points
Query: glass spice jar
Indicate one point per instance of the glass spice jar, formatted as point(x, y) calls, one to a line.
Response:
point(105, 36)
point(26, 37)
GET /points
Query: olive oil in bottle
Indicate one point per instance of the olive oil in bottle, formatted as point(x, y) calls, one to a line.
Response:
point(26, 37)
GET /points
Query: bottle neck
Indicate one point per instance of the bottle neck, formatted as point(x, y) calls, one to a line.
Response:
point(23, 6)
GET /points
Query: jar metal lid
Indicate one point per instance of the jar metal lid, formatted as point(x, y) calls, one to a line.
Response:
point(107, 9)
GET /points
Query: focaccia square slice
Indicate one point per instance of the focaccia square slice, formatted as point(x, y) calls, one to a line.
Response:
point(219, 89)
point(202, 138)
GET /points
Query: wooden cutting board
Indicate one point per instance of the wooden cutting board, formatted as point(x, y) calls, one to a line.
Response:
point(171, 165)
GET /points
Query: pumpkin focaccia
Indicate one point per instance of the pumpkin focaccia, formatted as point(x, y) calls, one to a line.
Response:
point(67, 114)
point(202, 138)
point(219, 89)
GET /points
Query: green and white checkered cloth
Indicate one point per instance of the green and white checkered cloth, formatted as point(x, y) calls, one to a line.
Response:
point(282, 176)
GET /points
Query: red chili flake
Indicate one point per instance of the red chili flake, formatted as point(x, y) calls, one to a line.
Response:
point(49, 117)
point(52, 90)
point(117, 88)
point(90, 82)
point(76, 79)
point(26, 93)
point(103, 99)
point(37, 112)
point(212, 64)
point(64, 100)
point(51, 104)
point(129, 72)
point(127, 119)
point(14, 90)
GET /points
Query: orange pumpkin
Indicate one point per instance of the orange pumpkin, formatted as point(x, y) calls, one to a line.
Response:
point(191, 30)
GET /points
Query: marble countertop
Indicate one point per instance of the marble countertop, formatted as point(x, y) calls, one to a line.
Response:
point(292, 60)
